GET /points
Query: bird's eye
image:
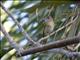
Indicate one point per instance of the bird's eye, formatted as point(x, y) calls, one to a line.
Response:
point(48, 17)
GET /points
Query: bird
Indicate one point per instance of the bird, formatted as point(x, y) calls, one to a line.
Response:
point(48, 27)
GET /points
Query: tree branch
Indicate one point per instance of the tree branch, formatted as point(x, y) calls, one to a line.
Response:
point(20, 27)
point(56, 44)
point(65, 52)
point(13, 44)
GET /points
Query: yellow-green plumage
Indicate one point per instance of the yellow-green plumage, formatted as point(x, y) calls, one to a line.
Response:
point(48, 27)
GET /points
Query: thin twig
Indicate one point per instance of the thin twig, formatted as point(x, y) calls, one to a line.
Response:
point(20, 27)
point(72, 21)
point(78, 45)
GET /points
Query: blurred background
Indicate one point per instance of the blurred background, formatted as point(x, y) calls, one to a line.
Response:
point(29, 14)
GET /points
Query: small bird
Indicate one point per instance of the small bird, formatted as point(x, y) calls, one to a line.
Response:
point(48, 27)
